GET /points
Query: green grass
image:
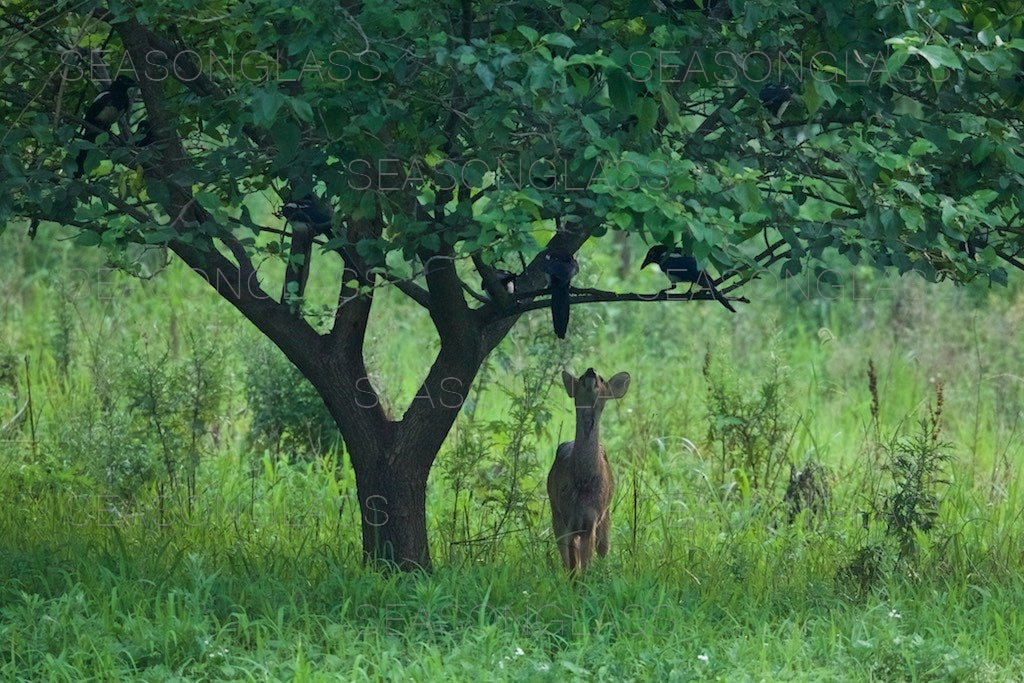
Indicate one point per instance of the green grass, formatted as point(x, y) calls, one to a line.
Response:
point(258, 576)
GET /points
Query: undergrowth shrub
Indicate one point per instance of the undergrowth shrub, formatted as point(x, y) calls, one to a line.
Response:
point(917, 467)
point(62, 333)
point(906, 482)
point(809, 491)
point(287, 415)
point(750, 428)
point(10, 410)
point(493, 469)
point(144, 418)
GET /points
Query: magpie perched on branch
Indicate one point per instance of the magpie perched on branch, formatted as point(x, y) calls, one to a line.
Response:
point(507, 280)
point(309, 217)
point(561, 268)
point(108, 107)
point(974, 244)
point(680, 267)
point(775, 97)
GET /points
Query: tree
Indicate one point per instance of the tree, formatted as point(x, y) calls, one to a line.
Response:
point(457, 138)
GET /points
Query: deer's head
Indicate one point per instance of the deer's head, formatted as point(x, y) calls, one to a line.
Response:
point(590, 391)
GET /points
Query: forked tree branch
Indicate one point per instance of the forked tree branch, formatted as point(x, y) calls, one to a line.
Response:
point(291, 332)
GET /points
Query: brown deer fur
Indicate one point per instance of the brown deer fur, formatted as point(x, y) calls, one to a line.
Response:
point(580, 482)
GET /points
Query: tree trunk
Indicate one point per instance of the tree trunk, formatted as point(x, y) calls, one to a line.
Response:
point(392, 502)
point(391, 473)
point(392, 459)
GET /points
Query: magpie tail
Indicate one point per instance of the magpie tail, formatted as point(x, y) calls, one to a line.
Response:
point(718, 296)
point(560, 307)
point(301, 246)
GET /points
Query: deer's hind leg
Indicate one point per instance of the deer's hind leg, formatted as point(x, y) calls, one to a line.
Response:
point(565, 549)
point(603, 529)
point(573, 560)
point(587, 541)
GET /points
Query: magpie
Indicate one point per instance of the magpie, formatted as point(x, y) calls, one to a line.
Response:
point(108, 107)
point(309, 217)
point(680, 267)
point(507, 280)
point(560, 268)
point(775, 97)
point(974, 244)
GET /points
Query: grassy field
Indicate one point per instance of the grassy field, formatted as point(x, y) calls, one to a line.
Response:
point(171, 498)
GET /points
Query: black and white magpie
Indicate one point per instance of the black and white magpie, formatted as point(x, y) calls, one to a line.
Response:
point(974, 244)
point(309, 217)
point(680, 267)
point(775, 97)
point(507, 280)
point(561, 268)
point(108, 107)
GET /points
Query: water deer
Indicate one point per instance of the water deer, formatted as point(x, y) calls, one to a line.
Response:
point(580, 482)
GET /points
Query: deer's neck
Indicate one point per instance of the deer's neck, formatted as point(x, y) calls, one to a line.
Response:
point(586, 449)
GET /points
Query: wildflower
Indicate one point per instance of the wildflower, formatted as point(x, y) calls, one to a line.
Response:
point(893, 614)
point(703, 657)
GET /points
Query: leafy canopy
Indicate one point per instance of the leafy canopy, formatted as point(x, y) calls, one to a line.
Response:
point(479, 129)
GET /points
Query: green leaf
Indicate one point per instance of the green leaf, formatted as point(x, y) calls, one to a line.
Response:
point(158, 191)
point(671, 107)
point(647, 115)
point(893, 65)
point(302, 109)
point(920, 147)
point(265, 104)
point(286, 138)
point(821, 92)
point(485, 74)
point(397, 265)
point(911, 217)
point(558, 39)
point(530, 34)
point(619, 91)
point(937, 56)
point(981, 150)
point(623, 219)
point(88, 238)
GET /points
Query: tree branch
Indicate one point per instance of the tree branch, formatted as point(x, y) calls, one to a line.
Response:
point(1016, 263)
point(448, 308)
point(290, 332)
point(579, 295)
point(709, 124)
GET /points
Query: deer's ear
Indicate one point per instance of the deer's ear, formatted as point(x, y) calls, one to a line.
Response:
point(570, 384)
point(619, 384)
